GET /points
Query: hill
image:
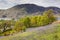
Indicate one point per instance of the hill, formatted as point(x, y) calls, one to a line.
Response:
point(25, 9)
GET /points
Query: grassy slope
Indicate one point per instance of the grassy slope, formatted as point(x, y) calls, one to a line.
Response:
point(48, 34)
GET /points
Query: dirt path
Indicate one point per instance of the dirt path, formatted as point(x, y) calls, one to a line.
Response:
point(40, 28)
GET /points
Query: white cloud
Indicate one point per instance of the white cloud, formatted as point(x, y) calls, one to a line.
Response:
point(10, 3)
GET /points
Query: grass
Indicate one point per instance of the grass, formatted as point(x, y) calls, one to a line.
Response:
point(49, 34)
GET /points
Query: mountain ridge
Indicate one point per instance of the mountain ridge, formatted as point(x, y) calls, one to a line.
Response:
point(26, 9)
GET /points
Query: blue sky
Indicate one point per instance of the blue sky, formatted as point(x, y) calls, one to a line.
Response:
point(4, 4)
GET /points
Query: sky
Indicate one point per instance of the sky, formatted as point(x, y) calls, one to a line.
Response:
point(5, 4)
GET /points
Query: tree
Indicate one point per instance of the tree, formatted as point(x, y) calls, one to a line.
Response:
point(44, 20)
point(19, 25)
point(38, 20)
point(27, 22)
point(50, 15)
point(33, 21)
point(4, 25)
point(1, 26)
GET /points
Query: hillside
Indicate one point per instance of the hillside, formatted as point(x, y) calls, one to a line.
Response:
point(42, 33)
point(26, 9)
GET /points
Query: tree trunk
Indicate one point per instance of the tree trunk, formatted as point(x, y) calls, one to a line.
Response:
point(4, 29)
